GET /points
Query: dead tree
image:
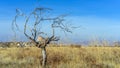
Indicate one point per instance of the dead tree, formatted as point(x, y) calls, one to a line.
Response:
point(36, 32)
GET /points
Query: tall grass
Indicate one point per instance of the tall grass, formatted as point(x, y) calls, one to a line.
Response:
point(61, 57)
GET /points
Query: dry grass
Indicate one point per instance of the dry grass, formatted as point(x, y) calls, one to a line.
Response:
point(61, 57)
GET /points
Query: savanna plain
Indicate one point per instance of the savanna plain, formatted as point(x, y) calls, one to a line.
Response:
point(61, 57)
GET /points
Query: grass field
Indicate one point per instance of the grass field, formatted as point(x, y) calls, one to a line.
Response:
point(61, 57)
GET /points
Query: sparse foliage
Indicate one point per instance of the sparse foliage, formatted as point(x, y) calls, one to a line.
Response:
point(39, 15)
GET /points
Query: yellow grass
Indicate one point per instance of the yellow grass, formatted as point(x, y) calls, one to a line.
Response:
point(61, 57)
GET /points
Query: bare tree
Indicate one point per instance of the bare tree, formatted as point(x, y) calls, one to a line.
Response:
point(35, 34)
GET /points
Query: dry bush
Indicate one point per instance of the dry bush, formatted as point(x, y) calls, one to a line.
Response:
point(75, 46)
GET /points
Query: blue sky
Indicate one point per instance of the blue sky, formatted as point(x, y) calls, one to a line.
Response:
point(97, 18)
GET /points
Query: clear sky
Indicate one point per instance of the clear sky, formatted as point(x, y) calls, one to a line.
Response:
point(97, 18)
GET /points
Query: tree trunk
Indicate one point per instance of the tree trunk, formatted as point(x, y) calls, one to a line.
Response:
point(44, 57)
